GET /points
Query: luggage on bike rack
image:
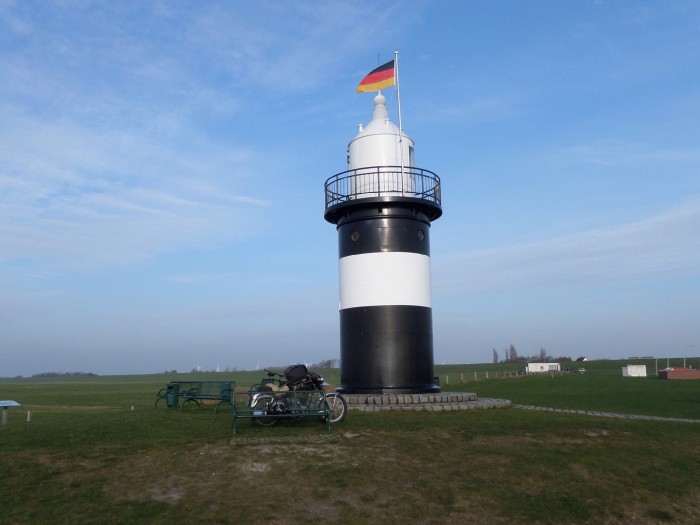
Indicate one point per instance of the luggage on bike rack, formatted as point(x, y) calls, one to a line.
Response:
point(296, 374)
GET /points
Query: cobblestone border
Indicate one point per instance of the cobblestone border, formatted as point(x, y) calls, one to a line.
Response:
point(442, 402)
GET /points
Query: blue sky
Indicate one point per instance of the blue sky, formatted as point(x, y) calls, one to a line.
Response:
point(162, 169)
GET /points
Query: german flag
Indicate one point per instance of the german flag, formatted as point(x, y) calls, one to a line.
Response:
point(377, 79)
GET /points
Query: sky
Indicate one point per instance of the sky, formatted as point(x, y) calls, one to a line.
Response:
point(162, 168)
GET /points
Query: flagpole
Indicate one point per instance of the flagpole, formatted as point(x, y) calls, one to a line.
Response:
point(398, 99)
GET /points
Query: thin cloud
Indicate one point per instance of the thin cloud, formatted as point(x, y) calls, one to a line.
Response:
point(107, 151)
point(485, 108)
point(108, 198)
point(666, 245)
point(284, 46)
point(609, 153)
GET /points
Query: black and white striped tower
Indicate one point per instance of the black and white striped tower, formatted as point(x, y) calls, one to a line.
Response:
point(383, 206)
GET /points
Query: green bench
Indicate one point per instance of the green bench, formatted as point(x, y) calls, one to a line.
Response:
point(188, 394)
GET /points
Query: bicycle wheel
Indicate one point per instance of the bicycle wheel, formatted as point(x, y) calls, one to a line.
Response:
point(338, 407)
point(261, 404)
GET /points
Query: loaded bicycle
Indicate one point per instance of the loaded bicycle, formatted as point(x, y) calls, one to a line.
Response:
point(296, 392)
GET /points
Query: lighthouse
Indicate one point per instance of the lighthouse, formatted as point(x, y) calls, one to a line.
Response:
point(382, 206)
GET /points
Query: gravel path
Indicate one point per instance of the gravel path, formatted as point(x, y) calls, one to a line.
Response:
point(606, 414)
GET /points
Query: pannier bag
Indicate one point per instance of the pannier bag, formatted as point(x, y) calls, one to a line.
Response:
point(296, 373)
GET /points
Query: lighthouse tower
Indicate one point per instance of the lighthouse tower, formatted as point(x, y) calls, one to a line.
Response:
point(382, 207)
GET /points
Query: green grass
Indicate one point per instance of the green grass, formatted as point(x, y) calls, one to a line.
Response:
point(86, 457)
point(647, 396)
point(602, 388)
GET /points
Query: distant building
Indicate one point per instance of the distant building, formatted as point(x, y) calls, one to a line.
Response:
point(634, 371)
point(542, 368)
point(679, 373)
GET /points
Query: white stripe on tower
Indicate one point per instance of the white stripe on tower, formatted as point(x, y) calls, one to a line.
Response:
point(383, 279)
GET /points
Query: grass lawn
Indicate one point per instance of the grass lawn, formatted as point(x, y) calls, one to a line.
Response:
point(630, 395)
point(86, 457)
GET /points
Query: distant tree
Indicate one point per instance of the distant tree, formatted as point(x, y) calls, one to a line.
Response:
point(65, 374)
point(511, 354)
point(543, 355)
point(326, 363)
point(495, 357)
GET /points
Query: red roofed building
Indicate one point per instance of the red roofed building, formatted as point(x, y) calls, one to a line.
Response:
point(679, 373)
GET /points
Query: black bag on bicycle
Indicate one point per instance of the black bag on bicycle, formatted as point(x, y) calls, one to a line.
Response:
point(296, 374)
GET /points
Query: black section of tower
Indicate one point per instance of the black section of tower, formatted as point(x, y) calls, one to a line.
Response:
point(386, 349)
point(384, 232)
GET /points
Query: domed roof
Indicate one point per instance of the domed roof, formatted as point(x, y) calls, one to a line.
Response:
point(380, 123)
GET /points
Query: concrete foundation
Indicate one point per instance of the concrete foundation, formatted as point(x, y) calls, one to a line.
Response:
point(438, 402)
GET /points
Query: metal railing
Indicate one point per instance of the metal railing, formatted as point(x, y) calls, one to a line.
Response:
point(382, 181)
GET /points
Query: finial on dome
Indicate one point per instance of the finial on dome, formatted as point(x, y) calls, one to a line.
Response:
point(380, 111)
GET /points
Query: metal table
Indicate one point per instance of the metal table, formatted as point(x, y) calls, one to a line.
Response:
point(6, 404)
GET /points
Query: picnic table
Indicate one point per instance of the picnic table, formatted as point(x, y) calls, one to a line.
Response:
point(188, 394)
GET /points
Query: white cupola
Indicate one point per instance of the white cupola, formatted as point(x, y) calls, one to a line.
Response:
point(378, 144)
